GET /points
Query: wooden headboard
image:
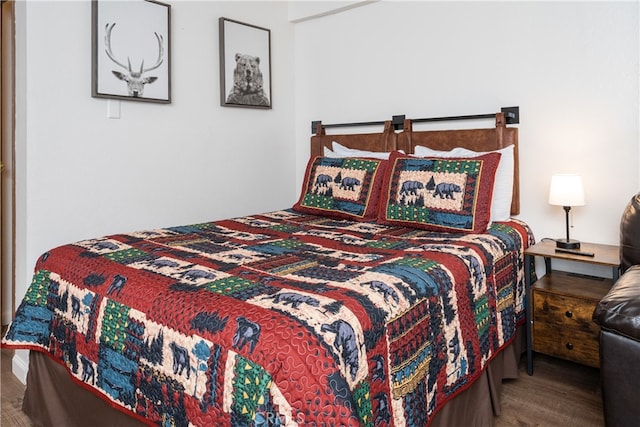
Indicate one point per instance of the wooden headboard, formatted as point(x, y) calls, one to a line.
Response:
point(486, 139)
point(382, 141)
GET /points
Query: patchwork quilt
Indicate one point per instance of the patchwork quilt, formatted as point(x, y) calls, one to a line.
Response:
point(281, 318)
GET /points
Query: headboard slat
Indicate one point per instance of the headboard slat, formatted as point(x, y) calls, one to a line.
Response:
point(382, 141)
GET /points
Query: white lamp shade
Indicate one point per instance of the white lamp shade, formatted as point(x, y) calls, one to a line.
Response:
point(566, 190)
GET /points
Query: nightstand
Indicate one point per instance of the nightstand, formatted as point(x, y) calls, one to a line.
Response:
point(560, 304)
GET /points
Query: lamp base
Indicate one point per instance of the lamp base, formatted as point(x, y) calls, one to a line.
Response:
point(567, 244)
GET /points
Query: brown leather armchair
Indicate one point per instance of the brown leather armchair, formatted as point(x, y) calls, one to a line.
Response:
point(618, 315)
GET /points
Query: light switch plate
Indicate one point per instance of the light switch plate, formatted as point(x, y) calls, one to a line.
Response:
point(113, 108)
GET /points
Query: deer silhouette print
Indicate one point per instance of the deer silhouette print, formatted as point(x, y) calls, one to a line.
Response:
point(135, 79)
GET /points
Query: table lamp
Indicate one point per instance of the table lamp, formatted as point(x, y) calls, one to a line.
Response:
point(566, 190)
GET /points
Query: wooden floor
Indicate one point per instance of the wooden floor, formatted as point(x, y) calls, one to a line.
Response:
point(558, 394)
point(11, 391)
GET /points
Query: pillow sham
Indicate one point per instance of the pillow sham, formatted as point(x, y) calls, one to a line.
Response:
point(347, 188)
point(439, 194)
point(340, 151)
point(503, 185)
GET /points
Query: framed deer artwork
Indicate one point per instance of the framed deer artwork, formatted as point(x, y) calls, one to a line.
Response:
point(245, 65)
point(131, 55)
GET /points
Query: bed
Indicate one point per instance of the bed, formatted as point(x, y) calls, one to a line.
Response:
point(373, 309)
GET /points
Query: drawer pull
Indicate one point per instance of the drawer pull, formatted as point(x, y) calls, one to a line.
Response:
point(569, 346)
point(568, 313)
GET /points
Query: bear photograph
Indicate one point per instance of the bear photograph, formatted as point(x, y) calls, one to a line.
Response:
point(245, 65)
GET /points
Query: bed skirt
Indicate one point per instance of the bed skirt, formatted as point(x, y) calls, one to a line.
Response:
point(53, 399)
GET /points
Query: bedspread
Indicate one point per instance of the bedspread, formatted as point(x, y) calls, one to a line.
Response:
point(277, 319)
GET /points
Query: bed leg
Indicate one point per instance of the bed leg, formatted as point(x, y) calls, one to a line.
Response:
point(528, 261)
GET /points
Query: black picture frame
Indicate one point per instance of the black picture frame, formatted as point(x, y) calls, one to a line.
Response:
point(245, 65)
point(131, 50)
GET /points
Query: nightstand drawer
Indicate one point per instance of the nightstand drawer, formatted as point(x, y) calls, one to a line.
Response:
point(563, 305)
point(581, 347)
point(560, 311)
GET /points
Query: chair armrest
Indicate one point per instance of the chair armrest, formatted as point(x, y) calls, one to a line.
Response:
point(619, 310)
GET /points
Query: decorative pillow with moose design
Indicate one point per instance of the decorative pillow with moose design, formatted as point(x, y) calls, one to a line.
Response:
point(439, 194)
point(347, 188)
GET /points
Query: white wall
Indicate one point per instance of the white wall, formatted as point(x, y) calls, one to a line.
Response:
point(158, 165)
point(572, 67)
point(83, 175)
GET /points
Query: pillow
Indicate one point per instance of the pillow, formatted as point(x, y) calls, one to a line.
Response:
point(439, 194)
point(503, 186)
point(347, 188)
point(340, 151)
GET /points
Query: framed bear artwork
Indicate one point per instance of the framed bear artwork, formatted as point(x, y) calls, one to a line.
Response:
point(245, 65)
point(130, 55)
